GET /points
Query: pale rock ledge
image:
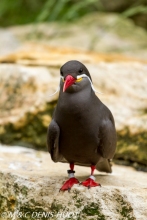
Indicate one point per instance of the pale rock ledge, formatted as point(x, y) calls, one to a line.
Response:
point(30, 183)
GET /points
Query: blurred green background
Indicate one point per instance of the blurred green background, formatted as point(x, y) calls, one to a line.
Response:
point(14, 12)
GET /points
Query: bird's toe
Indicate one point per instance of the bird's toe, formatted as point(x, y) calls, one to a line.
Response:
point(90, 183)
point(68, 184)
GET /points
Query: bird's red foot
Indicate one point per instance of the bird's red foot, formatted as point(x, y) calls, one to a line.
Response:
point(90, 182)
point(69, 183)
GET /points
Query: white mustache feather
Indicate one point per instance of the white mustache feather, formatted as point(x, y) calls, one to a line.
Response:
point(78, 77)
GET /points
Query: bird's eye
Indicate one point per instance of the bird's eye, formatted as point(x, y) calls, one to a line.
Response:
point(81, 70)
point(61, 73)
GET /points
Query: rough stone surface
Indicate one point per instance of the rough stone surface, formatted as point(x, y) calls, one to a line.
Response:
point(41, 54)
point(26, 106)
point(8, 42)
point(23, 89)
point(25, 99)
point(25, 85)
point(30, 183)
point(98, 32)
point(29, 180)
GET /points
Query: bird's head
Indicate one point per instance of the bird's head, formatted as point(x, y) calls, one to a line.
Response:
point(72, 73)
point(74, 77)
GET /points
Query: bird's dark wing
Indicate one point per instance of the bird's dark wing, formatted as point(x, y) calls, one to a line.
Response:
point(53, 141)
point(107, 146)
point(107, 136)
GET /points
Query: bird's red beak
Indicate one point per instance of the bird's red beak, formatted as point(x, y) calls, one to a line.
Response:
point(69, 80)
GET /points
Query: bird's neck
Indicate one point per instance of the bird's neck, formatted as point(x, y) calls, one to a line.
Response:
point(75, 102)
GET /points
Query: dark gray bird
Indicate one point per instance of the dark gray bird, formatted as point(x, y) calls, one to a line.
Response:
point(82, 130)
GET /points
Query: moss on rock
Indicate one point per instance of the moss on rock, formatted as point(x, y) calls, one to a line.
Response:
point(30, 132)
point(132, 147)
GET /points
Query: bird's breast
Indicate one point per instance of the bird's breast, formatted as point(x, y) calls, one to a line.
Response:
point(78, 128)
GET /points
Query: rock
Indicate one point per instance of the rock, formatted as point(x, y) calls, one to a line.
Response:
point(25, 119)
point(30, 183)
point(123, 85)
point(8, 42)
point(100, 32)
point(29, 54)
point(135, 12)
point(26, 105)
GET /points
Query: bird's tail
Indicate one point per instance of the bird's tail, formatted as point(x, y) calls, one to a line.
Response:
point(104, 166)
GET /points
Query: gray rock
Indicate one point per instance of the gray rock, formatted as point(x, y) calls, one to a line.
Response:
point(23, 89)
point(124, 88)
point(30, 183)
point(26, 107)
point(8, 42)
point(101, 32)
point(25, 99)
point(121, 79)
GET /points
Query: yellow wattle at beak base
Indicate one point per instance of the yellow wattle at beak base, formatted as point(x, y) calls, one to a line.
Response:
point(78, 80)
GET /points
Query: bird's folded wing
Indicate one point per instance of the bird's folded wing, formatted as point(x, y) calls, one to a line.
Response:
point(107, 136)
point(53, 141)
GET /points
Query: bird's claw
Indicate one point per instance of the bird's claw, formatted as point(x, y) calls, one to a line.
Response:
point(68, 184)
point(90, 183)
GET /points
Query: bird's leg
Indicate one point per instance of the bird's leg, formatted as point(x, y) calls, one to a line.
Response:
point(90, 182)
point(71, 181)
